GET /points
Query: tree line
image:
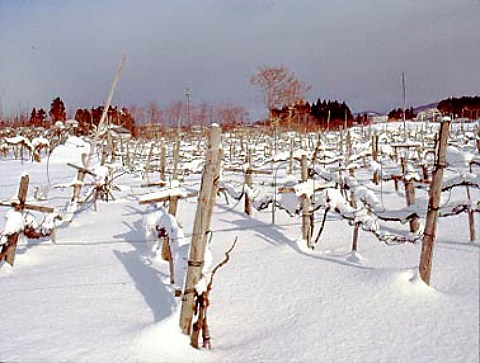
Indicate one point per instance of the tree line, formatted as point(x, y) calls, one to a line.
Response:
point(281, 91)
point(466, 106)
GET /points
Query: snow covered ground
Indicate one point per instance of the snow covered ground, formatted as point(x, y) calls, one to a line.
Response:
point(98, 295)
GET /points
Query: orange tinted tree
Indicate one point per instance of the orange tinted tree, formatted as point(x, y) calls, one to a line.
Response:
point(280, 87)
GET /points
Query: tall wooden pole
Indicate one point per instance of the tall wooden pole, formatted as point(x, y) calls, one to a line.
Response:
point(105, 111)
point(426, 256)
point(196, 255)
point(81, 175)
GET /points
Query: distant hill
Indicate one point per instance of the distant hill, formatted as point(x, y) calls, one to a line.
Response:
point(368, 112)
point(423, 108)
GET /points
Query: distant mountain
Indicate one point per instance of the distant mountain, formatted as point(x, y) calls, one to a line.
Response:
point(369, 113)
point(423, 108)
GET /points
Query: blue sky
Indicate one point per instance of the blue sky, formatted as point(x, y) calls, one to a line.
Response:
point(350, 50)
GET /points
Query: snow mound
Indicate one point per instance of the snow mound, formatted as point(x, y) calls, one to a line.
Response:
point(70, 152)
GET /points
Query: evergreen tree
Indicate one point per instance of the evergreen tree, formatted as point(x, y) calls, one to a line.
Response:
point(57, 110)
point(33, 118)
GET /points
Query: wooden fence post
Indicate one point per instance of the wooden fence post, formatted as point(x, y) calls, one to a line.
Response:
point(435, 191)
point(201, 224)
point(305, 203)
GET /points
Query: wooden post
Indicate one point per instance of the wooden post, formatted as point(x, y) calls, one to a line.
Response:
point(214, 191)
point(376, 176)
point(196, 256)
point(147, 164)
point(173, 202)
point(290, 162)
point(410, 197)
point(471, 217)
point(403, 164)
point(128, 157)
point(163, 159)
point(248, 183)
point(478, 139)
point(13, 239)
point(8, 250)
point(167, 256)
point(176, 156)
point(78, 185)
point(435, 191)
point(425, 171)
point(356, 226)
point(305, 203)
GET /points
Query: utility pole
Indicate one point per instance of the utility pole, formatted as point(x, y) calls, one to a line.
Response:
point(188, 94)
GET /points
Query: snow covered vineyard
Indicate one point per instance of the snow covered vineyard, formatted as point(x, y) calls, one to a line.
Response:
point(329, 263)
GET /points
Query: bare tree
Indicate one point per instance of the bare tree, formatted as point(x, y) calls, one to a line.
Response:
point(280, 86)
point(173, 112)
point(231, 116)
point(154, 113)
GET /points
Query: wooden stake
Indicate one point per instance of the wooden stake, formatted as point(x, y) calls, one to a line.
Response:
point(410, 197)
point(13, 239)
point(176, 156)
point(471, 217)
point(426, 256)
point(200, 229)
point(248, 183)
point(305, 203)
point(290, 162)
point(163, 159)
point(353, 202)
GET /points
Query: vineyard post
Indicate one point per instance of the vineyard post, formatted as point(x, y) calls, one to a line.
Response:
point(426, 256)
point(206, 200)
point(173, 202)
point(471, 217)
point(290, 163)
point(376, 176)
point(128, 157)
point(7, 251)
point(410, 196)
point(478, 139)
point(305, 202)
point(409, 193)
point(356, 226)
point(248, 183)
point(176, 156)
point(163, 159)
point(13, 239)
point(147, 164)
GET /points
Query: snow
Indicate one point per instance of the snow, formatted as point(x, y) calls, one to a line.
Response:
point(70, 152)
point(14, 222)
point(101, 294)
point(40, 141)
